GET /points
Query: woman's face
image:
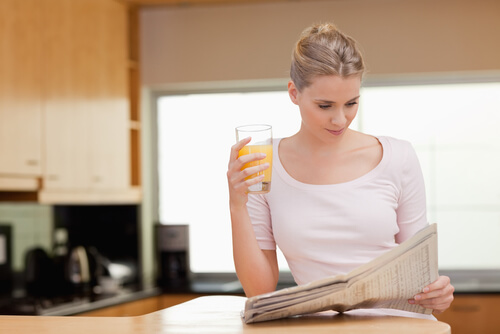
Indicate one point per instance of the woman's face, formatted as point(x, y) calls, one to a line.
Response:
point(328, 105)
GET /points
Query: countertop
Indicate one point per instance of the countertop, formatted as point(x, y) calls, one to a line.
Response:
point(218, 314)
point(464, 281)
point(474, 281)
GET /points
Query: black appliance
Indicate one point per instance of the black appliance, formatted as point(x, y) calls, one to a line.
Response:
point(38, 272)
point(172, 243)
point(5, 260)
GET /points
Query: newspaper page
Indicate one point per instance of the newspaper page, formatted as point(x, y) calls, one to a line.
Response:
point(386, 282)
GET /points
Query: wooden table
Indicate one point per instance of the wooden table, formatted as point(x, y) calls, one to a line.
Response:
point(217, 314)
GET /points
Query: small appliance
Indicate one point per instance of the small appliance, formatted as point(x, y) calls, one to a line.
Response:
point(5, 259)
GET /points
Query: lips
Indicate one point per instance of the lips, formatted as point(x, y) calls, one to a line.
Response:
point(335, 132)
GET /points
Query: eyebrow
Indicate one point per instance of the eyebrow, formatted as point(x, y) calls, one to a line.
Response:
point(332, 102)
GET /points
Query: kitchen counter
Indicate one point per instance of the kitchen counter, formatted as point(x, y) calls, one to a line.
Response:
point(465, 282)
point(218, 314)
point(71, 305)
point(86, 306)
point(474, 281)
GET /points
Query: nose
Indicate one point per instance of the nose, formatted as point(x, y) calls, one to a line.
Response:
point(338, 118)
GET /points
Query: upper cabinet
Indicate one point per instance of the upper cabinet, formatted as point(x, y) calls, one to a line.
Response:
point(20, 91)
point(78, 64)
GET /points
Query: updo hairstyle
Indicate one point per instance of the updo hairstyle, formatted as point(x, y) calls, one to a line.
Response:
point(323, 50)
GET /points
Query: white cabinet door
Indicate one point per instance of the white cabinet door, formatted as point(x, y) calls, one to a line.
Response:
point(109, 125)
point(64, 100)
point(86, 99)
point(20, 140)
point(20, 89)
point(109, 160)
point(66, 150)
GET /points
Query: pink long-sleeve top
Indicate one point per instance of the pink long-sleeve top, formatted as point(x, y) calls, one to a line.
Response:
point(325, 230)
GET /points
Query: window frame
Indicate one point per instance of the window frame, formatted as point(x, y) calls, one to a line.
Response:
point(389, 80)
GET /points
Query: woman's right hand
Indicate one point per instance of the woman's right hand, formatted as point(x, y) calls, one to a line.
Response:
point(238, 186)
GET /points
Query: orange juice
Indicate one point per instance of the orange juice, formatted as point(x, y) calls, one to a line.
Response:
point(265, 185)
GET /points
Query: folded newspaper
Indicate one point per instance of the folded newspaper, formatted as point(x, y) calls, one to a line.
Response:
point(385, 282)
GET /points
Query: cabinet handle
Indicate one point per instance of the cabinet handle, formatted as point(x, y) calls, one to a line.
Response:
point(96, 179)
point(52, 177)
point(32, 162)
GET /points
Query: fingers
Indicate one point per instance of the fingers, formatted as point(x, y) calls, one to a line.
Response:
point(437, 295)
point(239, 176)
point(440, 283)
point(235, 149)
point(236, 163)
point(236, 167)
point(250, 182)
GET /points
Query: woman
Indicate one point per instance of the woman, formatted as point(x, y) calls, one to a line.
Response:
point(339, 198)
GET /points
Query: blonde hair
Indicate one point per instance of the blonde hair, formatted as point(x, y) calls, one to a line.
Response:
point(323, 50)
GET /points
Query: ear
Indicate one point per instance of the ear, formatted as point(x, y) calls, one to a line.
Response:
point(293, 92)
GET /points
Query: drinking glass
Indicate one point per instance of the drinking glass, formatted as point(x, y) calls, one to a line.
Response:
point(261, 142)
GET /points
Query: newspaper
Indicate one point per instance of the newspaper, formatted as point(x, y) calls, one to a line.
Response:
point(386, 282)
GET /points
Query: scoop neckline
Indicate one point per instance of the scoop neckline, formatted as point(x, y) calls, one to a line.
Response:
point(280, 169)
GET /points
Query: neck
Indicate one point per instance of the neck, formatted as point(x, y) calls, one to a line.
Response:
point(307, 144)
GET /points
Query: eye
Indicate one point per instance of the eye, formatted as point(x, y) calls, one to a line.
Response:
point(324, 106)
point(351, 104)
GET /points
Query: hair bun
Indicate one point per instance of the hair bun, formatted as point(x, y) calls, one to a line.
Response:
point(324, 28)
point(324, 50)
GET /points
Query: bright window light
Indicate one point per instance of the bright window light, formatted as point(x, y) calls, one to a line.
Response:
point(453, 128)
point(195, 135)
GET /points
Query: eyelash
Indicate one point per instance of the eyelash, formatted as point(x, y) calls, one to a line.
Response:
point(326, 106)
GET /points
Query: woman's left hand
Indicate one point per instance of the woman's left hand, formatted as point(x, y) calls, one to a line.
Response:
point(437, 295)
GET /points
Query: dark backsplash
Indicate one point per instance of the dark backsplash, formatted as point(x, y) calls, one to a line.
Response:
point(107, 234)
point(112, 229)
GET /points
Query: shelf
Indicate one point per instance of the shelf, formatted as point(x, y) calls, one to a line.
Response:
point(121, 196)
point(135, 125)
point(12, 183)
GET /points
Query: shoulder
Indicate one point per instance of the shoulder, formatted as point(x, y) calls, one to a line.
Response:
point(366, 146)
point(401, 154)
point(399, 145)
point(399, 149)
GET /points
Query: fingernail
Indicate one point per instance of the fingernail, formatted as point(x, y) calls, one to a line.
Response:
point(411, 301)
point(425, 290)
point(417, 297)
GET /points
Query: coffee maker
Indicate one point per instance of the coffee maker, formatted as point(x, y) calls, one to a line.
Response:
point(172, 244)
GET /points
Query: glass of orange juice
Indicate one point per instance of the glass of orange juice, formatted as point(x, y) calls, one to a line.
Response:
point(262, 142)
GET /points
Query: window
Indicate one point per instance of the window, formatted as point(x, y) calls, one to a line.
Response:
point(195, 135)
point(453, 128)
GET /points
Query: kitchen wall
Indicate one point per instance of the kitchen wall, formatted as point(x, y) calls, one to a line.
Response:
point(254, 41)
point(31, 227)
point(250, 44)
point(244, 42)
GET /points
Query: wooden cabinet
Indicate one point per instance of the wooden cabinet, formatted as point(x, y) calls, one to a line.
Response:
point(20, 90)
point(141, 307)
point(473, 314)
point(171, 299)
point(86, 96)
point(65, 89)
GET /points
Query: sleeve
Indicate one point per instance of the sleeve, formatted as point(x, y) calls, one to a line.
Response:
point(411, 210)
point(260, 215)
